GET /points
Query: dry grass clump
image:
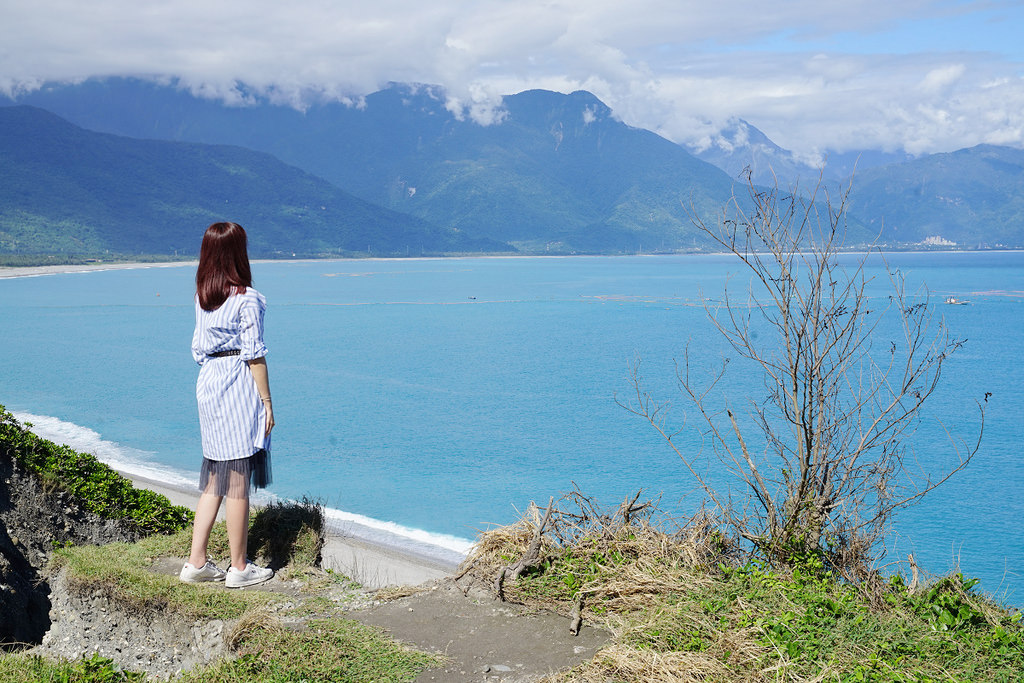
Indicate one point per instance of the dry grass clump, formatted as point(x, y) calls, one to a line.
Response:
point(497, 548)
point(671, 643)
point(288, 535)
point(590, 563)
point(686, 603)
point(254, 621)
point(389, 593)
point(618, 662)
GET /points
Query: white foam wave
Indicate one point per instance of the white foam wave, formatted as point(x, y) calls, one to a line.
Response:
point(136, 462)
point(443, 547)
point(131, 461)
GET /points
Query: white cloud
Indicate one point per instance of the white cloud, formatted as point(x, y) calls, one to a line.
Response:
point(939, 79)
point(803, 72)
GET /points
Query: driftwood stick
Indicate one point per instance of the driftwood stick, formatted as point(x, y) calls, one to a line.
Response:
point(531, 558)
point(576, 615)
point(915, 581)
point(466, 570)
point(627, 507)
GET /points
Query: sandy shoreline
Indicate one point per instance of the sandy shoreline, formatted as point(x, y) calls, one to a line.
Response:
point(7, 272)
point(37, 271)
point(372, 565)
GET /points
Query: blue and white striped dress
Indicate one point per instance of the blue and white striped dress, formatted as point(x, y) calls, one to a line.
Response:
point(232, 418)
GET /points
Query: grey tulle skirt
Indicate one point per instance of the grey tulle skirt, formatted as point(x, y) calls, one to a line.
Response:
point(235, 478)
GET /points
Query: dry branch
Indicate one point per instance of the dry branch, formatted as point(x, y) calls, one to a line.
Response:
point(576, 615)
point(531, 558)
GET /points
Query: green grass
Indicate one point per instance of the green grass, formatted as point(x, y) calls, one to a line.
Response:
point(337, 650)
point(752, 624)
point(289, 536)
point(24, 668)
point(124, 572)
point(687, 606)
point(327, 650)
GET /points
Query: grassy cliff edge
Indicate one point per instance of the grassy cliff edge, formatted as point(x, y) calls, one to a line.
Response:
point(681, 602)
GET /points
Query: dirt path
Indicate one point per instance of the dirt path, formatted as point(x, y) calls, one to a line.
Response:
point(485, 640)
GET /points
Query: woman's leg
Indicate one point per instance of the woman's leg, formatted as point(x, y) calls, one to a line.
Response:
point(206, 515)
point(236, 512)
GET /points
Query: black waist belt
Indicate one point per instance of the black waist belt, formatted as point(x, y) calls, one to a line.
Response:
point(221, 354)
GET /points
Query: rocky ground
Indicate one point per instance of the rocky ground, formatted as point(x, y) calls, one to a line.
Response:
point(32, 521)
point(483, 639)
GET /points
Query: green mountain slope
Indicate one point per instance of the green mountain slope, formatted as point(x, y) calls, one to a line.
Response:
point(65, 189)
point(557, 172)
point(974, 197)
point(559, 169)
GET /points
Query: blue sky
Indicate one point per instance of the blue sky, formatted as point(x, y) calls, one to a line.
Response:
point(916, 75)
point(996, 30)
point(944, 28)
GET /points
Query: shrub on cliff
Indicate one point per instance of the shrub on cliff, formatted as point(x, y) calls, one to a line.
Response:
point(683, 605)
point(823, 460)
point(94, 485)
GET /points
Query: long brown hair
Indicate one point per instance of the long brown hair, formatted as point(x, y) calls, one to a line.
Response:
point(223, 265)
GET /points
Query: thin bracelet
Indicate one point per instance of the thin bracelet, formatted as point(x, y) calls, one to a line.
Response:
point(264, 399)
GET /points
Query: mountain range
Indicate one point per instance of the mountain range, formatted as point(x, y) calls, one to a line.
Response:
point(972, 197)
point(64, 189)
point(397, 170)
point(740, 146)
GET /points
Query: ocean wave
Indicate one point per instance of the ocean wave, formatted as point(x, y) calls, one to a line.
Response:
point(139, 463)
point(443, 547)
point(131, 461)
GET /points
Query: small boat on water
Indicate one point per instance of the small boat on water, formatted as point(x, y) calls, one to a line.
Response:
point(953, 301)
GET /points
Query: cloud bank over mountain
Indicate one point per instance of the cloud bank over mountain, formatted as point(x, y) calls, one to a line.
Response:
point(915, 75)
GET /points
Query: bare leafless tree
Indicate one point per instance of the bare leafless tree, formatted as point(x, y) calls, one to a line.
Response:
point(825, 455)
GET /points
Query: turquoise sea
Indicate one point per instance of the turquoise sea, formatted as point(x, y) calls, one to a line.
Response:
point(424, 400)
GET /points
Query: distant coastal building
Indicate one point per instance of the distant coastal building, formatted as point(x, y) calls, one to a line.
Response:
point(937, 241)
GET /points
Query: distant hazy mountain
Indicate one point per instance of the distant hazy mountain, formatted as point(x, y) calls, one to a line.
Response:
point(557, 173)
point(66, 189)
point(843, 165)
point(740, 146)
point(973, 197)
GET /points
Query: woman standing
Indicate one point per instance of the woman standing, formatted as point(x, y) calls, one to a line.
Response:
point(235, 410)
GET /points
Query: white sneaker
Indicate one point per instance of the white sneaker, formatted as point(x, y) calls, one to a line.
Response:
point(208, 572)
point(249, 576)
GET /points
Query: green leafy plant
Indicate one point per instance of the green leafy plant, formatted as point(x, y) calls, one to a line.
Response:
point(94, 669)
point(95, 486)
point(947, 606)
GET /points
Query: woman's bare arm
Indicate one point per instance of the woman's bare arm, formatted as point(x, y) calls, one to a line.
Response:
point(258, 366)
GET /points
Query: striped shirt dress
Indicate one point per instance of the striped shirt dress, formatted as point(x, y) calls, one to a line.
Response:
point(232, 417)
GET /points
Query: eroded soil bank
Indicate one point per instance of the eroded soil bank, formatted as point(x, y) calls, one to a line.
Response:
point(32, 522)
